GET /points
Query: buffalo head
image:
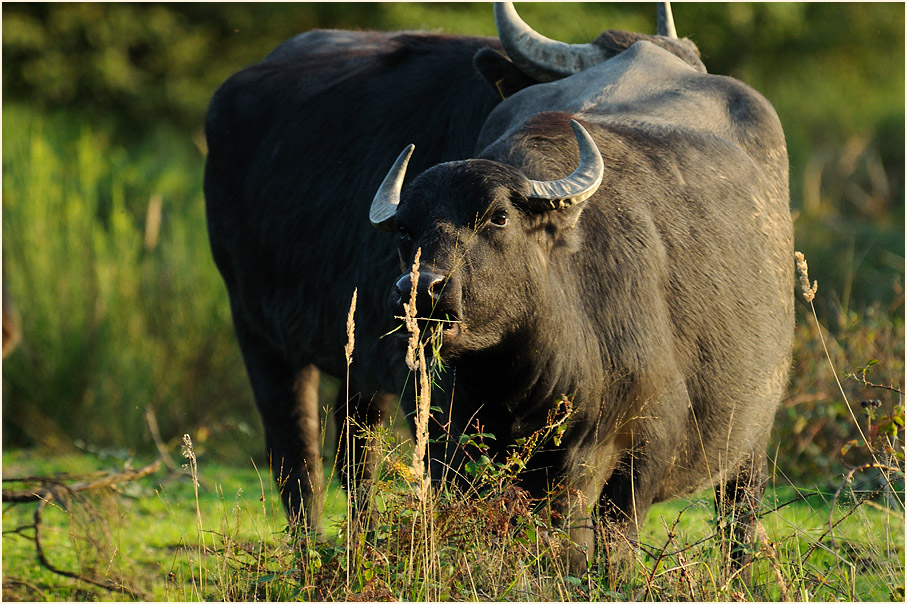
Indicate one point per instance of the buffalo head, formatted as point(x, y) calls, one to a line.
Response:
point(485, 231)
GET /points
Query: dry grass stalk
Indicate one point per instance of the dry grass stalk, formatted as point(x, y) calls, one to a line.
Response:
point(189, 453)
point(153, 221)
point(773, 559)
point(415, 360)
point(803, 270)
point(409, 315)
point(423, 409)
point(350, 330)
point(809, 292)
point(348, 352)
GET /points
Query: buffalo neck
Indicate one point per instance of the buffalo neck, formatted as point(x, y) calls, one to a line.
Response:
point(513, 386)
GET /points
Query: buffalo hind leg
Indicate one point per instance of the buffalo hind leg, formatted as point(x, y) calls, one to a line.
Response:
point(355, 458)
point(737, 505)
point(287, 401)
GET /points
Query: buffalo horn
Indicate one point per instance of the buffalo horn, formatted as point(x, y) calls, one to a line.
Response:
point(576, 188)
point(386, 200)
point(537, 56)
point(666, 20)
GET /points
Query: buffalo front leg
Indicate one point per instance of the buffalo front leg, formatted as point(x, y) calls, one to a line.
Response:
point(287, 401)
point(626, 498)
point(577, 518)
point(575, 506)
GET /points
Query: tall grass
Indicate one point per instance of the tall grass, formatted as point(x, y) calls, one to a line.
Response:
point(105, 255)
point(225, 542)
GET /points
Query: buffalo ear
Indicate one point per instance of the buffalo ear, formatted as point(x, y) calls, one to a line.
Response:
point(565, 219)
point(500, 72)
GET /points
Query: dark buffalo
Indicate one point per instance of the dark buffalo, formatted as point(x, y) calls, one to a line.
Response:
point(297, 146)
point(651, 285)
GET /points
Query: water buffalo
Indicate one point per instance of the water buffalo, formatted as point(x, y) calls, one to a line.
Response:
point(297, 144)
point(621, 238)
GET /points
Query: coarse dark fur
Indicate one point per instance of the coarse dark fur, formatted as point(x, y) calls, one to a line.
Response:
point(298, 144)
point(662, 306)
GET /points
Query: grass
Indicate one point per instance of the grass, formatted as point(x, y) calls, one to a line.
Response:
point(230, 543)
point(105, 254)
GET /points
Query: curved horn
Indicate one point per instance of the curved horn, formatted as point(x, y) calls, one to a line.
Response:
point(666, 20)
point(537, 56)
point(576, 188)
point(384, 204)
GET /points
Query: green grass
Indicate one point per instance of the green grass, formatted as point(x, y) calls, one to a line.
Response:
point(117, 316)
point(145, 535)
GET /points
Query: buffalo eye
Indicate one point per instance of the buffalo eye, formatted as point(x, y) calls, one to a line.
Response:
point(499, 218)
point(405, 236)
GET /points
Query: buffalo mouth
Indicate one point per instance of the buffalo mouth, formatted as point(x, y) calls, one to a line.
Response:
point(442, 332)
point(451, 333)
point(449, 328)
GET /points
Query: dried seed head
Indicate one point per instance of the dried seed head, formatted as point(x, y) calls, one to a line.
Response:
point(350, 330)
point(409, 318)
point(188, 451)
point(808, 292)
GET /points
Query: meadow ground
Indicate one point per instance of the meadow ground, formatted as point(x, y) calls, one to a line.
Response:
point(156, 539)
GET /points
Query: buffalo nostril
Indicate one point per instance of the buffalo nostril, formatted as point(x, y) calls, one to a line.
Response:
point(428, 291)
point(431, 281)
point(402, 288)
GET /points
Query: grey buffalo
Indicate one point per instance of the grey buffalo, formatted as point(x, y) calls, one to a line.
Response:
point(622, 238)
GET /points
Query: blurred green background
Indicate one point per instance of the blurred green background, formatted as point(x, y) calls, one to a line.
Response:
point(105, 250)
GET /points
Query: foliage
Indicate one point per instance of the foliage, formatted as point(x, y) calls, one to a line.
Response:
point(817, 426)
point(105, 254)
point(226, 540)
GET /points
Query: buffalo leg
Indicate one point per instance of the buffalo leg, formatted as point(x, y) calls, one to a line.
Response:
point(737, 503)
point(577, 517)
point(625, 500)
point(354, 416)
point(288, 403)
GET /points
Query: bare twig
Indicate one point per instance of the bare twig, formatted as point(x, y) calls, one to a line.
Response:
point(151, 419)
point(830, 530)
point(42, 558)
point(8, 582)
point(51, 489)
point(46, 493)
point(866, 383)
point(650, 577)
